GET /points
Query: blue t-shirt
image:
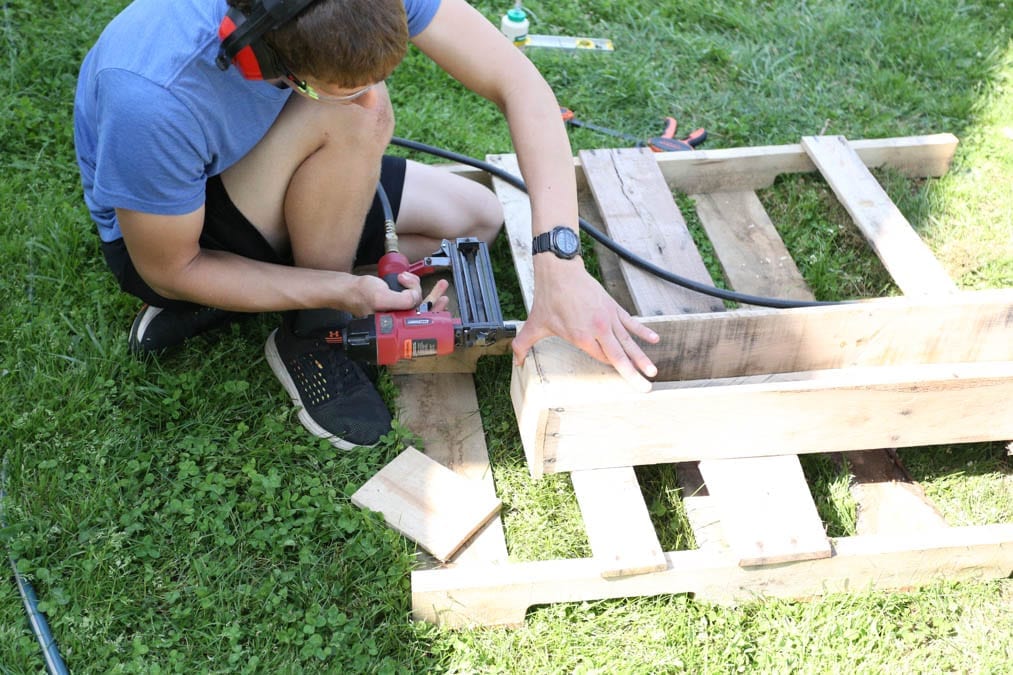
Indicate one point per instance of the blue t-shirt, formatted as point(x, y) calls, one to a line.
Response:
point(154, 116)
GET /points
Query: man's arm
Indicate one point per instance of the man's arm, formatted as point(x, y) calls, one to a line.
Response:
point(568, 301)
point(167, 255)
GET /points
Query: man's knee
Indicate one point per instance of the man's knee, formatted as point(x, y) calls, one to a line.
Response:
point(487, 214)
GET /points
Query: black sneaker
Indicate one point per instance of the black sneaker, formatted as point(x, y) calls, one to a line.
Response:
point(156, 329)
point(335, 398)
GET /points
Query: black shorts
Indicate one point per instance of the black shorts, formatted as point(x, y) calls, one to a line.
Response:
point(226, 229)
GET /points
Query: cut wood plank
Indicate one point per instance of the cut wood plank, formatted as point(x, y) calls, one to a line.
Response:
point(775, 520)
point(626, 545)
point(427, 502)
point(491, 595)
point(617, 522)
point(904, 255)
point(817, 411)
point(442, 409)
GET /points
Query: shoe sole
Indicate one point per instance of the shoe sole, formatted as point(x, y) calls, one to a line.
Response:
point(281, 372)
point(139, 326)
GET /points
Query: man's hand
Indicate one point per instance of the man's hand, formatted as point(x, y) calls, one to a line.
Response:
point(376, 296)
point(570, 304)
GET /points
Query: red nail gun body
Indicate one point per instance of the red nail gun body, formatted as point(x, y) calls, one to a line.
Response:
point(385, 338)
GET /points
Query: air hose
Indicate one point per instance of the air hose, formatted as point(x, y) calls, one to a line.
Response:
point(611, 244)
point(40, 627)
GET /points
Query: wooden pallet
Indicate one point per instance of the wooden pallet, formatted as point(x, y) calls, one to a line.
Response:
point(935, 366)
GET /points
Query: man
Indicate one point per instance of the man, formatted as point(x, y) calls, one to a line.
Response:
point(217, 191)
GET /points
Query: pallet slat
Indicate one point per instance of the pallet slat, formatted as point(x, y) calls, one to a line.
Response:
point(443, 410)
point(618, 524)
point(905, 256)
point(767, 511)
point(637, 207)
point(747, 245)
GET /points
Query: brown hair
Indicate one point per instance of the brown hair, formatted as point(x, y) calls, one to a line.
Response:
point(348, 43)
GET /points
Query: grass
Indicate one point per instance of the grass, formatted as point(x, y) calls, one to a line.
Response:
point(174, 517)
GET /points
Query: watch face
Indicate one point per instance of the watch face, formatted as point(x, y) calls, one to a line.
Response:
point(566, 241)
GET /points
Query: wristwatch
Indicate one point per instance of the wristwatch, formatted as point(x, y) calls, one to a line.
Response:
point(561, 240)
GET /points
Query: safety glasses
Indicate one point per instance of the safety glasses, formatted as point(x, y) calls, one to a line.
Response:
point(302, 87)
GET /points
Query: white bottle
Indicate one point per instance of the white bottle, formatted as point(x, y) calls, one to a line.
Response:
point(515, 26)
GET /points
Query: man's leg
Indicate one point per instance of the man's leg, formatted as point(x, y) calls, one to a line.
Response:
point(308, 184)
point(307, 187)
point(163, 323)
point(437, 205)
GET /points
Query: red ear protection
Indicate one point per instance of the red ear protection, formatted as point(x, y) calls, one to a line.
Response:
point(255, 61)
point(241, 35)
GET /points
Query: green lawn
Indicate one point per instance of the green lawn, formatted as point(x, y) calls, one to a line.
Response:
point(174, 517)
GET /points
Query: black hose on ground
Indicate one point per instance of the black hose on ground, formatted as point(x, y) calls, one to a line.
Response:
point(605, 240)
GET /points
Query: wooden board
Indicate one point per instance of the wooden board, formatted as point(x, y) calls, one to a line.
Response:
point(960, 327)
point(905, 256)
point(753, 168)
point(618, 524)
point(764, 504)
point(768, 513)
point(442, 409)
point(751, 253)
point(637, 207)
point(490, 595)
point(427, 502)
point(816, 411)
point(888, 501)
point(621, 535)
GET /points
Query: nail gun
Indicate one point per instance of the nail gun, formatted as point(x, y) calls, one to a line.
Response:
point(385, 338)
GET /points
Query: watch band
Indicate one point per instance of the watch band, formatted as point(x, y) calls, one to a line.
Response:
point(541, 243)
